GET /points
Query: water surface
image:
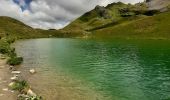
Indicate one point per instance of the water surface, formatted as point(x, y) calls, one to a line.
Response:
point(83, 69)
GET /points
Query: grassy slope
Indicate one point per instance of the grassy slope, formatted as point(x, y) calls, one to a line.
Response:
point(157, 26)
point(91, 20)
point(138, 26)
point(14, 28)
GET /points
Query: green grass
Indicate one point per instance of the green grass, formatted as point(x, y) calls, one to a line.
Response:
point(156, 26)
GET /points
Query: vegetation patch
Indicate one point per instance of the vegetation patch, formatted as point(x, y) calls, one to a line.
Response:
point(19, 85)
point(15, 61)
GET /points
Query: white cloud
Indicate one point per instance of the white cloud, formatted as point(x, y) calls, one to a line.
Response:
point(51, 13)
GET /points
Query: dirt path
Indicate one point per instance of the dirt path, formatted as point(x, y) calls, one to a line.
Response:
point(5, 93)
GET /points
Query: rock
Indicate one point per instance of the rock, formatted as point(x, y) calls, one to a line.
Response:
point(5, 89)
point(1, 95)
point(16, 72)
point(102, 12)
point(23, 96)
point(11, 67)
point(32, 71)
point(11, 91)
point(31, 93)
point(11, 84)
point(158, 4)
point(14, 78)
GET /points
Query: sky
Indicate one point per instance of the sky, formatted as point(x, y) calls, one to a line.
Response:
point(50, 14)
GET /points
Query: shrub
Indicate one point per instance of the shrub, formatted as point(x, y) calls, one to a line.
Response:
point(4, 47)
point(12, 53)
point(15, 61)
point(19, 85)
point(3, 50)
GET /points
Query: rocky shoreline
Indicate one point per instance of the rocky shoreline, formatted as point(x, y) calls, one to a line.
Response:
point(13, 86)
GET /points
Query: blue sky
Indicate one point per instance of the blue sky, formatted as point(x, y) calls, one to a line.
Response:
point(24, 4)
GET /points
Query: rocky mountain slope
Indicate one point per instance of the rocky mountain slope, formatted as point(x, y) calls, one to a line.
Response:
point(158, 4)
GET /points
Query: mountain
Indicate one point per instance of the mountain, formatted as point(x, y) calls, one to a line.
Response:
point(149, 19)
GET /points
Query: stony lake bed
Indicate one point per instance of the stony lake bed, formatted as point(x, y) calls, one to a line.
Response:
point(90, 69)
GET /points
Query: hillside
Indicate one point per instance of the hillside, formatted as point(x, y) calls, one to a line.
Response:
point(149, 19)
point(102, 16)
point(16, 29)
point(154, 27)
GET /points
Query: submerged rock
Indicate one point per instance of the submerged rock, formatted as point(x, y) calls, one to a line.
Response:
point(32, 71)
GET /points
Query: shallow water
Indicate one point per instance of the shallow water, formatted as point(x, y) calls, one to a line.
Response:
point(82, 69)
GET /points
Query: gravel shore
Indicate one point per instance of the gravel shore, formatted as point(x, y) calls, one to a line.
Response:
point(5, 74)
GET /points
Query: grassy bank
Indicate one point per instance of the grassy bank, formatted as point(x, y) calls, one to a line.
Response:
point(6, 49)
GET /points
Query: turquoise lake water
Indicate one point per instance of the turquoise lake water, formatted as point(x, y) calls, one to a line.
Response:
point(90, 69)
